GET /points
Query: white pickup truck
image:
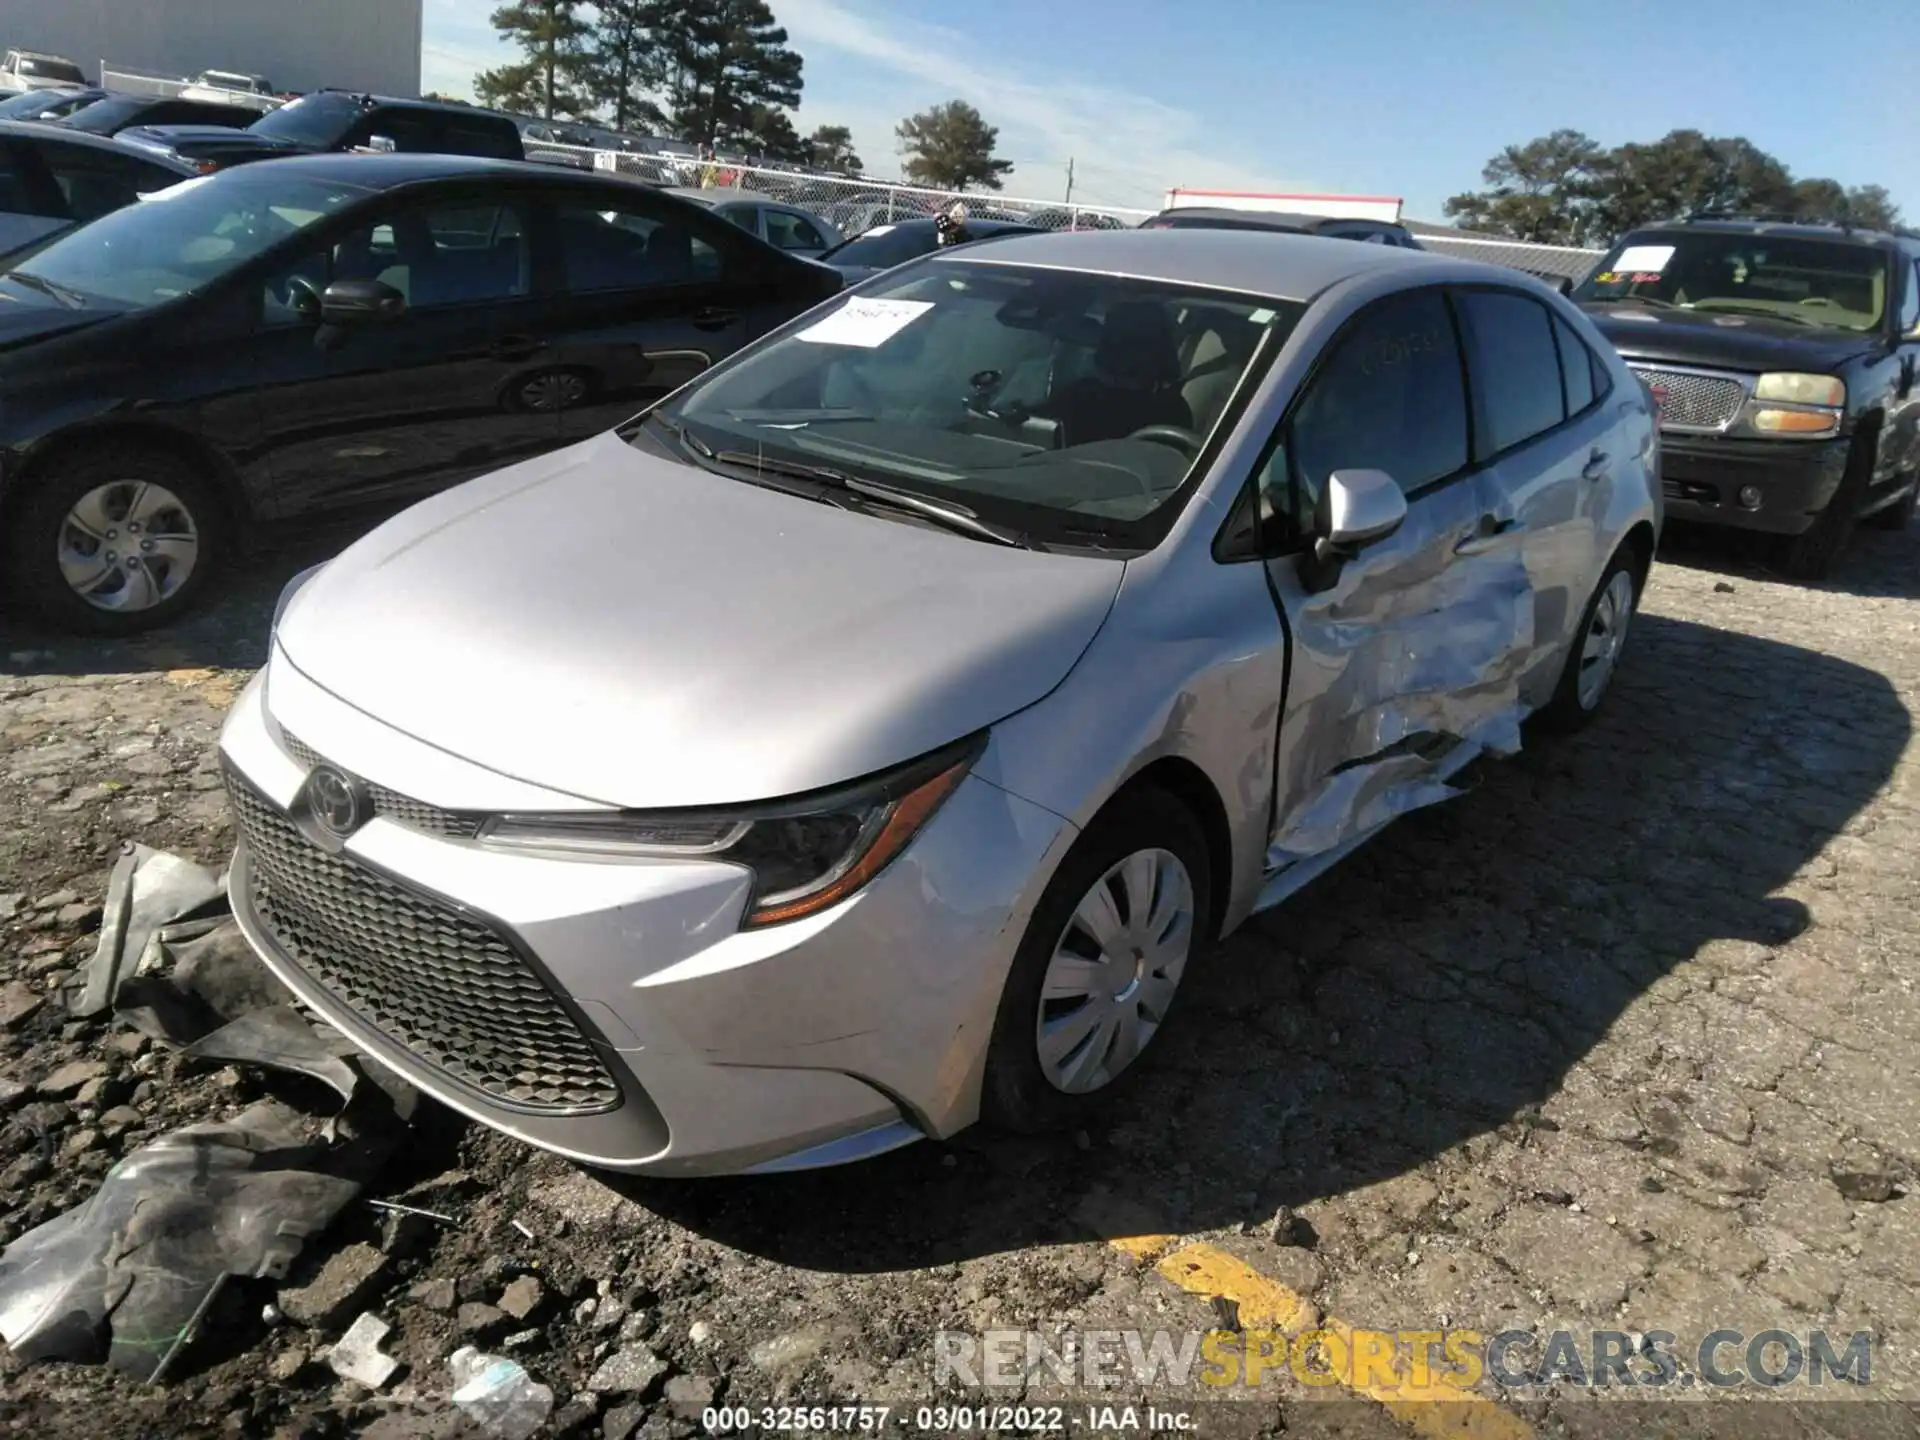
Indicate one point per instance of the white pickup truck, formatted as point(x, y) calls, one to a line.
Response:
point(24, 70)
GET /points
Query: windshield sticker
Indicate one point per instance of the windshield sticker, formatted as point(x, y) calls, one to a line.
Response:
point(876, 230)
point(1644, 260)
point(867, 324)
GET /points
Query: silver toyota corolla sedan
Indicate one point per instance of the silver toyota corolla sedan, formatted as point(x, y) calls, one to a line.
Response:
point(868, 739)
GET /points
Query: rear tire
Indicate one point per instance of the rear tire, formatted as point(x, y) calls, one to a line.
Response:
point(114, 539)
point(1104, 1003)
point(1587, 676)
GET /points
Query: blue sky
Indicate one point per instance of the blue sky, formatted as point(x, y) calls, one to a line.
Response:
point(1378, 97)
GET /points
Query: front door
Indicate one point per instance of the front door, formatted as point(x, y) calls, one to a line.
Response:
point(652, 292)
point(451, 389)
point(1405, 666)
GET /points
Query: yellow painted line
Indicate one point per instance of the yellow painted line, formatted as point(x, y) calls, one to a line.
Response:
point(1433, 1411)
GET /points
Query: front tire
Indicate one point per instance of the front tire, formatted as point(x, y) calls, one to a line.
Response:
point(1898, 515)
point(1098, 973)
point(1587, 676)
point(114, 540)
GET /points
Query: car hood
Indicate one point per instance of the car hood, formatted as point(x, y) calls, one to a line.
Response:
point(642, 633)
point(225, 137)
point(1725, 341)
point(24, 325)
point(856, 273)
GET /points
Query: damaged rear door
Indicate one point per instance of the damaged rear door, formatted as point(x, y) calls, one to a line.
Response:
point(1403, 662)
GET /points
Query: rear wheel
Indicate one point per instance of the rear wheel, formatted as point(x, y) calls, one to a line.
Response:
point(114, 539)
point(1098, 972)
point(1597, 647)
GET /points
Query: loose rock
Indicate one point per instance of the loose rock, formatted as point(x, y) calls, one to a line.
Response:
point(344, 1283)
point(523, 1297)
point(68, 1078)
point(628, 1371)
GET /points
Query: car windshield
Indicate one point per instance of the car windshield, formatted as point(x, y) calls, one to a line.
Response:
point(34, 102)
point(1070, 406)
point(174, 242)
point(318, 121)
point(104, 117)
point(1825, 283)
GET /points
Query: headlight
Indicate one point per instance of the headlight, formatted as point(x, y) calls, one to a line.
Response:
point(1796, 422)
point(805, 854)
point(1801, 389)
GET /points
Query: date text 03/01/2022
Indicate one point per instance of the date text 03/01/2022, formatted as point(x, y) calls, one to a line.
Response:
point(940, 1419)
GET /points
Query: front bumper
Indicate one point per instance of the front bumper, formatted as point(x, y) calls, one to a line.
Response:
point(1701, 479)
point(815, 1042)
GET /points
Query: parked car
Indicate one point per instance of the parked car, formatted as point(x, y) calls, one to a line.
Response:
point(49, 104)
point(326, 330)
point(874, 735)
point(785, 227)
point(340, 120)
point(554, 143)
point(1784, 358)
point(52, 180)
point(35, 70)
point(1338, 227)
point(224, 85)
point(111, 114)
point(885, 246)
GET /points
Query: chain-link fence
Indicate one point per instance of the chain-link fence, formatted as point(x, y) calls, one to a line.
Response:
point(852, 204)
point(133, 82)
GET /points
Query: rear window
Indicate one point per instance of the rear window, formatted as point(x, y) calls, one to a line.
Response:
point(885, 246)
point(53, 70)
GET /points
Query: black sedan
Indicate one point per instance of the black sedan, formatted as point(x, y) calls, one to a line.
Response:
point(885, 246)
point(273, 340)
point(49, 104)
point(52, 179)
point(111, 114)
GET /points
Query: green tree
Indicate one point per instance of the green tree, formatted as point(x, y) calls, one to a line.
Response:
point(951, 147)
point(830, 147)
point(626, 65)
point(724, 62)
point(768, 134)
point(553, 37)
point(1541, 191)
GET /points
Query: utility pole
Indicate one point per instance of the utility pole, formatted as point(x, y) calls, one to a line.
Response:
point(1069, 180)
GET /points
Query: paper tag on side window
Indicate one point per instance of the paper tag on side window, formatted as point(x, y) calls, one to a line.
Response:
point(866, 323)
point(1645, 259)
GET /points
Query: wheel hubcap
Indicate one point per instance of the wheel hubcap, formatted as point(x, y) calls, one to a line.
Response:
point(1606, 634)
point(1114, 971)
point(128, 545)
point(554, 392)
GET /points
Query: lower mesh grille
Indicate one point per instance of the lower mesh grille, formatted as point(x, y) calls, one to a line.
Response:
point(448, 988)
point(391, 804)
point(1709, 401)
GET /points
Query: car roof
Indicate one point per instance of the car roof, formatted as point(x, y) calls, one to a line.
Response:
point(1782, 229)
point(1251, 262)
point(34, 130)
point(983, 227)
point(386, 171)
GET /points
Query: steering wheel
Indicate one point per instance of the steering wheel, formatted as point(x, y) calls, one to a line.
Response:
point(1178, 436)
point(301, 296)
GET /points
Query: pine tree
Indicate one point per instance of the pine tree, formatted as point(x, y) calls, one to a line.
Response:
point(552, 35)
point(951, 146)
point(627, 66)
point(721, 59)
point(831, 148)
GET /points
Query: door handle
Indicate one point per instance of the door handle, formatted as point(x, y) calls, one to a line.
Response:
point(1489, 536)
point(1596, 465)
point(714, 318)
point(516, 347)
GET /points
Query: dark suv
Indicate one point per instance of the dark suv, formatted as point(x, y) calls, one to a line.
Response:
point(339, 120)
point(1339, 227)
point(1783, 356)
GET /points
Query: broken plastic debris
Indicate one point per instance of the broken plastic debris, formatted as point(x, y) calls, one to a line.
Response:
point(282, 1039)
point(356, 1356)
point(412, 1210)
point(498, 1394)
point(147, 890)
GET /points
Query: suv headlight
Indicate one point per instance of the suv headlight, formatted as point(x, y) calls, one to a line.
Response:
point(1787, 403)
point(806, 854)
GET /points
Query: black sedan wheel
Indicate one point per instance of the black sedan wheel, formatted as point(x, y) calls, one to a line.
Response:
point(114, 540)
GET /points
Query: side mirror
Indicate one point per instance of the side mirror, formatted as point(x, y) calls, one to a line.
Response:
point(382, 144)
point(361, 302)
point(1361, 507)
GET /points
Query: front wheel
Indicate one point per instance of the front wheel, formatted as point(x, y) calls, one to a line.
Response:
point(1597, 646)
point(114, 540)
point(1097, 975)
point(1898, 515)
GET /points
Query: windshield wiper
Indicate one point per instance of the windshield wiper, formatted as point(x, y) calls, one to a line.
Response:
point(72, 299)
point(949, 513)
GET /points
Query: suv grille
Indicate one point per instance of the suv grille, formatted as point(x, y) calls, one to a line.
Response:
point(402, 809)
point(1706, 401)
point(449, 988)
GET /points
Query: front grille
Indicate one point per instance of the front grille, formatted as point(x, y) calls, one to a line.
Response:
point(448, 987)
point(402, 809)
point(1707, 402)
point(1697, 491)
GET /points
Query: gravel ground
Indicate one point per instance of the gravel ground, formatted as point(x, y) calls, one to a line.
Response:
point(1624, 1040)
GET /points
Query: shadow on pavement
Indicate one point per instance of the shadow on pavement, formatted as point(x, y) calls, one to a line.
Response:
point(1436, 987)
point(1877, 563)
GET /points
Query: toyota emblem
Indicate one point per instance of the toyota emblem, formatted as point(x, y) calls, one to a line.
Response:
point(336, 802)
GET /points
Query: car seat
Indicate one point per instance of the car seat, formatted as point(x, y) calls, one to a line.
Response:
point(1134, 383)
